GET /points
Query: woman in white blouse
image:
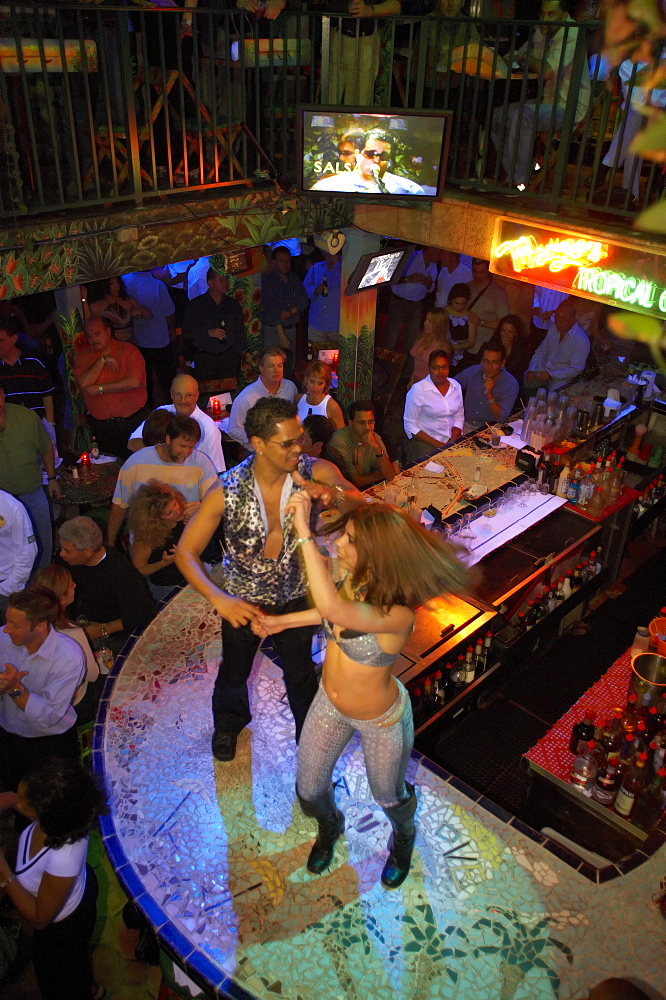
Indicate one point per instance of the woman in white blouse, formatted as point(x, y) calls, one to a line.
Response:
point(52, 888)
point(434, 413)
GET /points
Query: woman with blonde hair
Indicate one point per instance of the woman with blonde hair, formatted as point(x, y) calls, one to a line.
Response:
point(59, 580)
point(316, 397)
point(435, 334)
point(391, 566)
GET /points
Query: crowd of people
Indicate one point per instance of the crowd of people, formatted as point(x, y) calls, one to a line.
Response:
point(67, 616)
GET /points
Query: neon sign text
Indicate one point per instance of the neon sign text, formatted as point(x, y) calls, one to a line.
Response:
point(623, 287)
point(526, 253)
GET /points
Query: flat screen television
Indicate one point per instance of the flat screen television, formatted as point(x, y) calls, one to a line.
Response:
point(367, 154)
point(379, 268)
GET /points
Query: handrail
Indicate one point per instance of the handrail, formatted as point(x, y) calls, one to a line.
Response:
point(105, 104)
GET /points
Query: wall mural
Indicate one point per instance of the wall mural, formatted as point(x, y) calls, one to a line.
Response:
point(42, 257)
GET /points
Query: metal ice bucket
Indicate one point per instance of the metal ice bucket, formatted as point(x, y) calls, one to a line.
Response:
point(648, 676)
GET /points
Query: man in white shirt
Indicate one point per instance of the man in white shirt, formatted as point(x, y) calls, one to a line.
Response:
point(549, 54)
point(269, 383)
point(407, 295)
point(18, 547)
point(434, 412)
point(562, 354)
point(184, 393)
point(453, 271)
point(40, 669)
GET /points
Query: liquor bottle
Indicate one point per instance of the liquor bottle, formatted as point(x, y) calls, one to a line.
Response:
point(610, 740)
point(626, 758)
point(449, 686)
point(584, 769)
point(583, 731)
point(458, 674)
point(586, 490)
point(573, 487)
point(530, 615)
point(650, 803)
point(520, 624)
point(659, 755)
point(469, 665)
point(428, 699)
point(629, 719)
point(479, 658)
point(567, 588)
point(643, 709)
point(631, 788)
point(576, 579)
point(652, 722)
point(606, 783)
point(552, 599)
point(595, 565)
point(104, 656)
point(439, 689)
point(94, 449)
point(640, 738)
point(563, 481)
point(585, 570)
point(559, 593)
point(487, 651)
point(597, 504)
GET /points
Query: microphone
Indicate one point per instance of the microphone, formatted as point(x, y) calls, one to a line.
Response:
point(374, 170)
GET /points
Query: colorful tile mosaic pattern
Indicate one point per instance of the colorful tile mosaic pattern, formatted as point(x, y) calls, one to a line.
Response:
point(214, 855)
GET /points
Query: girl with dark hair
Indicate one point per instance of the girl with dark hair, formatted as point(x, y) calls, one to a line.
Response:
point(510, 333)
point(52, 888)
point(392, 566)
point(462, 325)
point(118, 308)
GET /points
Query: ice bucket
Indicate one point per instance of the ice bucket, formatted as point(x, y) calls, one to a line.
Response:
point(648, 676)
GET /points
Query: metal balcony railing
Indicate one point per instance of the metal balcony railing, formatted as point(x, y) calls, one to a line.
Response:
point(103, 105)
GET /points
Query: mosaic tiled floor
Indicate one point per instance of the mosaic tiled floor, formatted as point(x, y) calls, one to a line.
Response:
point(214, 854)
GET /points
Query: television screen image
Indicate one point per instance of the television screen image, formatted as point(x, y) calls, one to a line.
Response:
point(399, 154)
point(380, 268)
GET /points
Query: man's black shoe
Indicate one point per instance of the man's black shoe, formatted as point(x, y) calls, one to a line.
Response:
point(223, 746)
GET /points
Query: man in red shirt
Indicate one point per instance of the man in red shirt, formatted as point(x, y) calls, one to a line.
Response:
point(112, 378)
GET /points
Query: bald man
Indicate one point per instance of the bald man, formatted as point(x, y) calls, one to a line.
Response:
point(562, 354)
point(184, 396)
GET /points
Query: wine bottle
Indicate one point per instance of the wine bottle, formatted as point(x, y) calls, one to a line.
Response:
point(632, 786)
point(606, 783)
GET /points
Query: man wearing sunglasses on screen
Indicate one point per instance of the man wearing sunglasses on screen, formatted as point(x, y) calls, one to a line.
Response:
point(371, 174)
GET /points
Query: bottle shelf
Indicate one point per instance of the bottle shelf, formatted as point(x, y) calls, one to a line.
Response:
point(460, 702)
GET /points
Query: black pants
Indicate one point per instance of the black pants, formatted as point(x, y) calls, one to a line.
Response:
point(161, 364)
point(113, 434)
point(231, 703)
point(61, 952)
point(21, 754)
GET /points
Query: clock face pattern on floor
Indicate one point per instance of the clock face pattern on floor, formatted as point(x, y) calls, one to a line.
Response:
point(215, 856)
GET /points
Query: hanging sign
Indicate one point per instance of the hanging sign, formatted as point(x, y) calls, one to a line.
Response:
point(571, 262)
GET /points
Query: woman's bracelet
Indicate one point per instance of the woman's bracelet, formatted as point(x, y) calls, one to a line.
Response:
point(302, 541)
point(5, 882)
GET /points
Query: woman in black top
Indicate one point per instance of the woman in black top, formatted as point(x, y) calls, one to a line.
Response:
point(510, 333)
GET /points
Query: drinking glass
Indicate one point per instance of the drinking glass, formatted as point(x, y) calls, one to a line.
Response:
point(521, 493)
point(465, 529)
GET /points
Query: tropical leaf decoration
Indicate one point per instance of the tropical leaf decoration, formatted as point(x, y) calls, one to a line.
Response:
point(71, 334)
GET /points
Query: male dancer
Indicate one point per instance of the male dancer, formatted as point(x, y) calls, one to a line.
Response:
point(262, 569)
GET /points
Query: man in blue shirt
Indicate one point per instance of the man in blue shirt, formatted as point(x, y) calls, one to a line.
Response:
point(283, 300)
point(154, 336)
point(489, 390)
point(40, 670)
point(322, 284)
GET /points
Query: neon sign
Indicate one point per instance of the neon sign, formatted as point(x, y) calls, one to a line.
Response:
point(623, 287)
point(557, 254)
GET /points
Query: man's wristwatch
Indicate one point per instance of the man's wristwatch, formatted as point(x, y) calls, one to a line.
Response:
point(16, 693)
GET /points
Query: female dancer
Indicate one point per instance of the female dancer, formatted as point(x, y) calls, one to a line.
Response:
point(435, 334)
point(51, 887)
point(59, 580)
point(118, 309)
point(316, 397)
point(510, 333)
point(391, 566)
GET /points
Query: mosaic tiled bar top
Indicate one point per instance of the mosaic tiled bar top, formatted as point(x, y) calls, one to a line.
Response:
point(214, 855)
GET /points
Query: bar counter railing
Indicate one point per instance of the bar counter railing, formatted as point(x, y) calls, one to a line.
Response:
point(116, 105)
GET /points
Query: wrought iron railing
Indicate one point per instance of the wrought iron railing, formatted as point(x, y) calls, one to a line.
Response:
point(103, 105)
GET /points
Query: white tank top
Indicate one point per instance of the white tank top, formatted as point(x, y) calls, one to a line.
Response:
point(305, 409)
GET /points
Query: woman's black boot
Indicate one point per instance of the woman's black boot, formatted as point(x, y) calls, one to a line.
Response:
point(331, 823)
point(401, 844)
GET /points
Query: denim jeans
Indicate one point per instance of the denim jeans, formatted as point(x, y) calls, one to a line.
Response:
point(37, 505)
